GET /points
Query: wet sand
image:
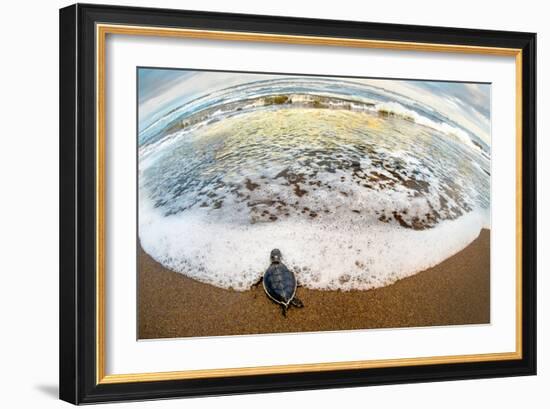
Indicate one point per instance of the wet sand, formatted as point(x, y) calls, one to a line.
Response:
point(454, 292)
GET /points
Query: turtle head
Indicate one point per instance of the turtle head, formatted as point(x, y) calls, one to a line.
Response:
point(276, 256)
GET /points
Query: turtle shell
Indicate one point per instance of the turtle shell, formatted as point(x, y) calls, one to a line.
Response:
point(280, 283)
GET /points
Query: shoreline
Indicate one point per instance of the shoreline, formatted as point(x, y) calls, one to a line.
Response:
point(454, 292)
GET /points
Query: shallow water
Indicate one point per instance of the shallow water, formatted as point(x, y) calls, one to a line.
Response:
point(356, 194)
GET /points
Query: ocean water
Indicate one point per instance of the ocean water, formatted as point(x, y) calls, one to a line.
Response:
point(356, 186)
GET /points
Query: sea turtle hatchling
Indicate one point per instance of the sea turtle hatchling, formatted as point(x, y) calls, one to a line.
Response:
point(280, 283)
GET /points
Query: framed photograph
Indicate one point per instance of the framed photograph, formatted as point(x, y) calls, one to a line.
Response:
point(257, 203)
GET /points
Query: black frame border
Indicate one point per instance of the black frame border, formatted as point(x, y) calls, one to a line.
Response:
point(77, 316)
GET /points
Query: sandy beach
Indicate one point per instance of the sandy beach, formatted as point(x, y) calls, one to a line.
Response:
point(455, 292)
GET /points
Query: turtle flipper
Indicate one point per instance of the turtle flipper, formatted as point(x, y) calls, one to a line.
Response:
point(297, 303)
point(284, 308)
point(258, 282)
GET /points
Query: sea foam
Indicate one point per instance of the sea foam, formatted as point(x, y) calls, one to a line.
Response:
point(327, 256)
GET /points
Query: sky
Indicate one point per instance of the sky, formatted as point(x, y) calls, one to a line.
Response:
point(162, 90)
